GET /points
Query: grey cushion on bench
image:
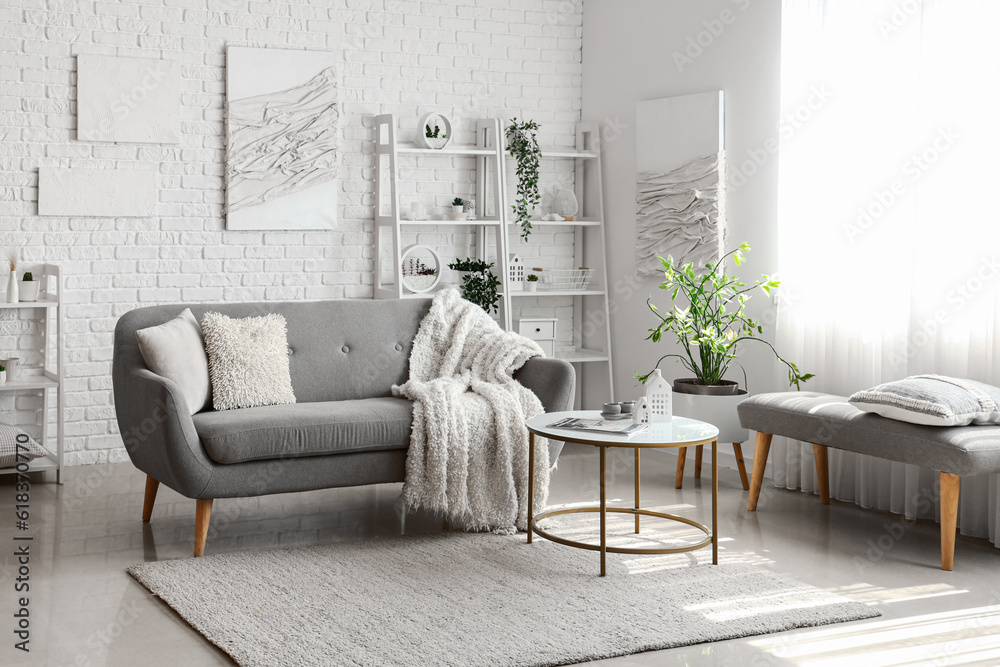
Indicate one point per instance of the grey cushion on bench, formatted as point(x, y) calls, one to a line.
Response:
point(826, 419)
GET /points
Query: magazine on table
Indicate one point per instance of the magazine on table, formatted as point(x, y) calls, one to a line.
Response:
point(624, 429)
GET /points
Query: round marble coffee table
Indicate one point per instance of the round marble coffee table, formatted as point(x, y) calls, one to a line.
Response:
point(680, 432)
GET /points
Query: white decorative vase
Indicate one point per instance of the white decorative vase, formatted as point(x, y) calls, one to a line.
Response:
point(29, 290)
point(719, 411)
point(12, 287)
point(531, 286)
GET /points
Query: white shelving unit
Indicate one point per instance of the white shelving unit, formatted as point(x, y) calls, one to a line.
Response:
point(49, 379)
point(487, 161)
point(591, 312)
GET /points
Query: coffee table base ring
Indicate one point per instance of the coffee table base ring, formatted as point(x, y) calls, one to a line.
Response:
point(619, 550)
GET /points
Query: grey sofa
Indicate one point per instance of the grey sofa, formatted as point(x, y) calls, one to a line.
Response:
point(345, 430)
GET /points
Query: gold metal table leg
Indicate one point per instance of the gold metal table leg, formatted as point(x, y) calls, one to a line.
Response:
point(531, 481)
point(604, 507)
point(715, 502)
point(637, 489)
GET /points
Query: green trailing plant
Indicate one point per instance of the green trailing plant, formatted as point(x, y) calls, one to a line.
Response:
point(532, 278)
point(457, 201)
point(479, 285)
point(522, 144)
point(28, 277)
point(715, 322)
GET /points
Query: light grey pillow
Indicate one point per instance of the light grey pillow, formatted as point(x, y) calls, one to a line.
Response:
point(247, 361)
point(30, 449)
point(934, 400)
point(176, 350)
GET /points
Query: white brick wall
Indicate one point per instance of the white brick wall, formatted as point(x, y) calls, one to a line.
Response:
point(469, 58)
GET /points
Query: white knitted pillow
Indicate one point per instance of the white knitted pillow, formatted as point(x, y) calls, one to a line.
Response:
point(247, 360)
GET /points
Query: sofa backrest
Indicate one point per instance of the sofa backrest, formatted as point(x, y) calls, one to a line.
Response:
point(338, 350)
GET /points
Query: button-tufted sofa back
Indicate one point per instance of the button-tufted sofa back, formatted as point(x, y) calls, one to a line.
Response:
point(338, 350)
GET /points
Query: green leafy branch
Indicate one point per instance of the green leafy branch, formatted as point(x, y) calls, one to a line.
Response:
point(715, 321)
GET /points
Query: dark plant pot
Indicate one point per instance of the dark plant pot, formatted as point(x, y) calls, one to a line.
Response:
point(694, 386)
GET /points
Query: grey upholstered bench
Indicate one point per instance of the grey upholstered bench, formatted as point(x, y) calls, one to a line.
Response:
point(830, 421)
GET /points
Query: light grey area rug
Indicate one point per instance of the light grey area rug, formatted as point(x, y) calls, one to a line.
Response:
point(474, 599)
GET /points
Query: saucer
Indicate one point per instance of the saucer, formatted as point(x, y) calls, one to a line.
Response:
point(616, 417)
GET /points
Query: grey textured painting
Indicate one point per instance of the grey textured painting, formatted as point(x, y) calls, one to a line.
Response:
point(678, 214)
point(680, 181)
point(283, 144)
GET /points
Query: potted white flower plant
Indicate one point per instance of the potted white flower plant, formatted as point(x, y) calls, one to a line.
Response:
point(708, 325)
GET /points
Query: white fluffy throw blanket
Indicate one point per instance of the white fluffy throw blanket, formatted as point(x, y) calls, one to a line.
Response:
point(468, 456)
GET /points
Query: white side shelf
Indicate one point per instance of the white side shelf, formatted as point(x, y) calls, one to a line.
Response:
point(487, 169)
point(44, 301)
point(49, 381)
point(591, 343)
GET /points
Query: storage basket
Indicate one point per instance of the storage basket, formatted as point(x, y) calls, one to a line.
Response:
point(565, 279)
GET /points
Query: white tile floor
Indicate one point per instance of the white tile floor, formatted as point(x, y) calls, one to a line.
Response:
point(86, 611)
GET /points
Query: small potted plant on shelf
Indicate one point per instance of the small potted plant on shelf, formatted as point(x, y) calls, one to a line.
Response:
point(458, 209)
point(3, 374)
point(435, 130)
point(522, 144)
point(29, 287)
point(531, 284)
point(479, 285)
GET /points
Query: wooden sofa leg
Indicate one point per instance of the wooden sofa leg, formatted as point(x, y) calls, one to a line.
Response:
point(152, 486)
point(202, 516)
point(682, 454)
point(822, 457)
point(738, 450)
point(950, 485)
point(760, 452)
point(698, 452)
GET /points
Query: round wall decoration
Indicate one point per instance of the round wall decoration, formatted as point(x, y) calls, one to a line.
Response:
point(434, 130)
point(420, 269)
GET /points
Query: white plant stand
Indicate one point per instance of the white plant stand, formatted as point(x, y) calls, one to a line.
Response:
point(50, 379)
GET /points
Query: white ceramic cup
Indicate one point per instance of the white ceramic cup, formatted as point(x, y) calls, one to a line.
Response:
point(13, 366)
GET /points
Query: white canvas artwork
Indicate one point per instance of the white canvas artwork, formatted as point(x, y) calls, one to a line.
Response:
point(283, 147)
point(681, 181)
point(128, 100)
point(112, 193)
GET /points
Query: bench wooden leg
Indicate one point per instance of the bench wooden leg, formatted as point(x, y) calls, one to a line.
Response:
point(950, 485)
point(822, 472)
point(202, 515)
point(760, 452)
point(738, 450)
point(682, 454)
point(152, 486)
point(697, 461)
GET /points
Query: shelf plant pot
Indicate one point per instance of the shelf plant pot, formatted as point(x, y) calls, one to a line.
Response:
point(29, 290)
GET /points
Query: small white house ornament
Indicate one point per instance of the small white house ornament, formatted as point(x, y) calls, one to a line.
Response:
point(658, 396)
point(640, 413)
point(515, 267)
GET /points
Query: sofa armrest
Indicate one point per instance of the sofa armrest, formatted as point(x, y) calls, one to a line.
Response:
point(159, 433)
point(552, 380)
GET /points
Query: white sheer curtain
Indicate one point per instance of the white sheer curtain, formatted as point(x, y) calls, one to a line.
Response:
point(889, 220)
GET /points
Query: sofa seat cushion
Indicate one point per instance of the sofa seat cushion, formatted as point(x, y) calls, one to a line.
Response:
point(305, 429)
